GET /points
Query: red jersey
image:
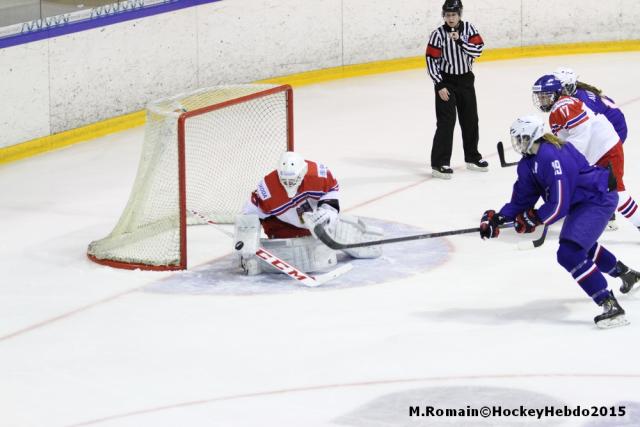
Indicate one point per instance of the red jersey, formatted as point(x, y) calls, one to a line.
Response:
point(271, 199)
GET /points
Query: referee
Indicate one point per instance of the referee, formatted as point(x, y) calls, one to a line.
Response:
point(450, 54)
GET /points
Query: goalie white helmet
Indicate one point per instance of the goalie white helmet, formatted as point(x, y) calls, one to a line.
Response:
point(524, 132)
point(291, 170)
point(568, 78)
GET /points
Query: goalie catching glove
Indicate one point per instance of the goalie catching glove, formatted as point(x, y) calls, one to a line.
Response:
point(527, 221)
point(326, 215)
point(490, 224)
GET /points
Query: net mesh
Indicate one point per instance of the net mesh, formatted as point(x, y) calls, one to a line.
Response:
point(227, 151)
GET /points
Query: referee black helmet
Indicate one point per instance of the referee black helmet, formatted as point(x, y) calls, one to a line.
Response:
point(452, 6)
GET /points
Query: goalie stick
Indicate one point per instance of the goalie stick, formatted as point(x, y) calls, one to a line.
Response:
point(294, 273)
point(269, 258)
point(503, 161)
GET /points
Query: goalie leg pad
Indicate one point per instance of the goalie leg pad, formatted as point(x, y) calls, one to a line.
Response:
point(250, 265)
point(246, 239)
point(247, 231)
point(351, 229)
point(304, 253)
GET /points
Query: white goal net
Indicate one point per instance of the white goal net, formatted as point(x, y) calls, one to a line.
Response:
point(203, 151)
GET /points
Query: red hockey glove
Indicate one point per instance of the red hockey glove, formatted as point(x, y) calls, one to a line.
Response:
point(527, 221)
point(490, 224)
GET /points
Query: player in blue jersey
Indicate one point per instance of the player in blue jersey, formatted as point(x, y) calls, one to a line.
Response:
point(583, 195)
point(592, 98)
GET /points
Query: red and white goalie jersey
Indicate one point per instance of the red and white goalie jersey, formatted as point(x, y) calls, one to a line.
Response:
point(593, 135)
point(270, 199)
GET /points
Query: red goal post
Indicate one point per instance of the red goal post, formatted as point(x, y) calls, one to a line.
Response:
point(206, 151)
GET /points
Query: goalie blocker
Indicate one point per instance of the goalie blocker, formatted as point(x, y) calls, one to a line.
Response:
point(308, 254)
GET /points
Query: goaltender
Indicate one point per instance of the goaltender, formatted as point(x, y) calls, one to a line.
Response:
point(289, 202)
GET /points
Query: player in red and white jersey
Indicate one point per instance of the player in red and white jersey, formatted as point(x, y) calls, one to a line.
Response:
point(297, 187)
point(289, 202)
point(592, 134)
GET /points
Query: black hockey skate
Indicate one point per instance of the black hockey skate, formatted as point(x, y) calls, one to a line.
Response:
point(629, 277)
point(442, 172)
point(613, 314)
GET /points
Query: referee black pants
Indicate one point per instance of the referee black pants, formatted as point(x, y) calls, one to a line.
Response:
point(462, 97)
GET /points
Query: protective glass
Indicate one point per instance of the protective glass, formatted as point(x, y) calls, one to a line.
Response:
point(26, 11)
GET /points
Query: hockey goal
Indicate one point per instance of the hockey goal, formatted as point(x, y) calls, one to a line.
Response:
point(204, 151)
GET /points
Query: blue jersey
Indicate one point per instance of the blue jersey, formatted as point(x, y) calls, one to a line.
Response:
point(562, 177)
point(604, 105)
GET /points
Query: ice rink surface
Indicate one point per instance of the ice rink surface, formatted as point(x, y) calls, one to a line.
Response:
point(448, 323)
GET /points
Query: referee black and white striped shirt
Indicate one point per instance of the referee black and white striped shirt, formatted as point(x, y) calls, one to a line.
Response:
point(452, 57)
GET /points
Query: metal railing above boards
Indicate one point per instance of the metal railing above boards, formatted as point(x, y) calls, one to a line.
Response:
point(23, 11)
point(24, 21)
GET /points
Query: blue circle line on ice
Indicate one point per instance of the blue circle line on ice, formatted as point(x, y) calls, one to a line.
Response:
point(213, 400)
point(222, 277)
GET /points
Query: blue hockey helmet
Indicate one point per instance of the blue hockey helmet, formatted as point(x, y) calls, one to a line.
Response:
point(546, 91)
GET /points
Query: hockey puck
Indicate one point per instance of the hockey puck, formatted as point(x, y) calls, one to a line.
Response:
point(239, 245)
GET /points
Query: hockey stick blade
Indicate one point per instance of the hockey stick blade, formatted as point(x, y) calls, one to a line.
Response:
point(322, 234)
point(532, 244)
point(336, 272)
point(294, 273)
point(503, 161)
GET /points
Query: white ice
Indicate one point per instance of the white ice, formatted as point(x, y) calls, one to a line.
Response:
point(458, 322)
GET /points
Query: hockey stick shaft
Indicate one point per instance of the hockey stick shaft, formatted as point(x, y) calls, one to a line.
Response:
point(291, 271)
point(324, 237)
point(328, 240)
point(211, 222)
point(272, 260)
point(503, 161)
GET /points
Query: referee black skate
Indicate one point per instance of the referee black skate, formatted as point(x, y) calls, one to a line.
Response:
point(450, 54)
